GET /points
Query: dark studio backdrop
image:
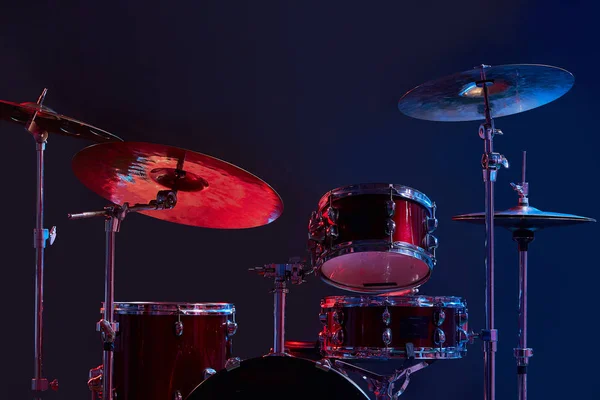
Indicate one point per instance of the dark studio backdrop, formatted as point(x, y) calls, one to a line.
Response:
point(304, 95)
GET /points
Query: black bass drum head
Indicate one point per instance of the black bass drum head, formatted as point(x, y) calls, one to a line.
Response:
point(277, 377)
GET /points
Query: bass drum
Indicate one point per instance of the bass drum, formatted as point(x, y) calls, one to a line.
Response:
point(277, 377)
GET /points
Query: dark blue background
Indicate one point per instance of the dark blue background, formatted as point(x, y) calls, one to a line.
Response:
point(302, 94)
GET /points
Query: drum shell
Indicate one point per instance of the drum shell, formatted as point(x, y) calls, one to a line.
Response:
point(152, 362)
point(364, 218)
point(363, 328)
point(373, 238)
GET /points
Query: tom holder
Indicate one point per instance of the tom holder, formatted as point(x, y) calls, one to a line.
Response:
point(114, 216)
point(282, 273)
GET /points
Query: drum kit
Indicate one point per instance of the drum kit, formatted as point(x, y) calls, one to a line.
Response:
point(373, 240)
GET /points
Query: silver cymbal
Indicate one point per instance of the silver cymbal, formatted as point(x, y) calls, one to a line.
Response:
point(525, 217)
point(516, 88)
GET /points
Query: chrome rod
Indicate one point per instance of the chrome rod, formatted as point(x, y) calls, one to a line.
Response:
point(111, 227)
point(40, 236)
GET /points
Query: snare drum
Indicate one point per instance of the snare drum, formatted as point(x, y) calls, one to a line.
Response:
point(163, 350)
point(373, 238)
point(372, 327)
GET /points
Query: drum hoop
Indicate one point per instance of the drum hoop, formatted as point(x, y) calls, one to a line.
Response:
point(384, 246)
point(371, 246)
point(171, 308)
point(399, 301)
point(405, 192)
point(374, 353)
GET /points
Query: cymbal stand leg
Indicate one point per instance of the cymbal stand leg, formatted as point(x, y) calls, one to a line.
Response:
point(40, 236)
point(491, 163)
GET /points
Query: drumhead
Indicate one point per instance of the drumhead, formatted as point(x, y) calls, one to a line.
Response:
point(398, 301)
point(369, 269)
point(376, 188)
point(171, 308)
point(277, 377)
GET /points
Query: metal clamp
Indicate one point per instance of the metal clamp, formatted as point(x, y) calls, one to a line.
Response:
point(109, 330)
point(523, 355)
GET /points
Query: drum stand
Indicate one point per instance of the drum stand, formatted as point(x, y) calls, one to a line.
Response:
point(282, 273)
point(114, 215)
point(491, 163)
point(40, 235)
point(384, 385)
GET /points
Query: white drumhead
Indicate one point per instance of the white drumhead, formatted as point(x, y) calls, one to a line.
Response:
point(375, 271)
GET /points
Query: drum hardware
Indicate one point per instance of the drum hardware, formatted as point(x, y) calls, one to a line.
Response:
point(270, 376)
point(384, 386)
point(523, 221)
point(41, 121)
point(114, 216)
point(293, 272)
point(475, 95)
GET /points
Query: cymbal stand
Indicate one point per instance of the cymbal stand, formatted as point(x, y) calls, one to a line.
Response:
point(40, 235)
point(282, 273)
point(114, 215)
point(523, 237)
point(491, 163)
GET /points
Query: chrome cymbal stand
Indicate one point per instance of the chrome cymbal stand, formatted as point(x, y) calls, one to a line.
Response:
point(114, 215)
point(40, 236)
point(523, 237)
point(282, 273)
point(491, 163)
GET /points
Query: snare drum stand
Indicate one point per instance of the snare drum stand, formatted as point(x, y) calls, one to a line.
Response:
point(491, 163)
point(523, 237)
point(114, 215)
point(40, 235)
point(282, 273)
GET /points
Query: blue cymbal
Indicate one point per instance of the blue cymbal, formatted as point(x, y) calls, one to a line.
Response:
point(512, 89)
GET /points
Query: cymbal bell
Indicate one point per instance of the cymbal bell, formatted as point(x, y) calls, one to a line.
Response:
point(515, 88)
point(211, 193)
point(53, 123)
point(525, 218)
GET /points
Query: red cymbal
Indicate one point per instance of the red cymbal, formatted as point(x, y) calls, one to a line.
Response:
point(210, 193)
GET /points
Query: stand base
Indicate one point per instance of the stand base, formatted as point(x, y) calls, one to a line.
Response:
point(383, 386)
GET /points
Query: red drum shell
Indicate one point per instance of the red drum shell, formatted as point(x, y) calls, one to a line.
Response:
point(354, 327)
point(361, 256)
point(151, 362)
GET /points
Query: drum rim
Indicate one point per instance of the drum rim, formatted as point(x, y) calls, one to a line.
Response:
point(383, 353)
point(171, 308)
point(408, 300)
point(365, 246)
point(403, 191)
